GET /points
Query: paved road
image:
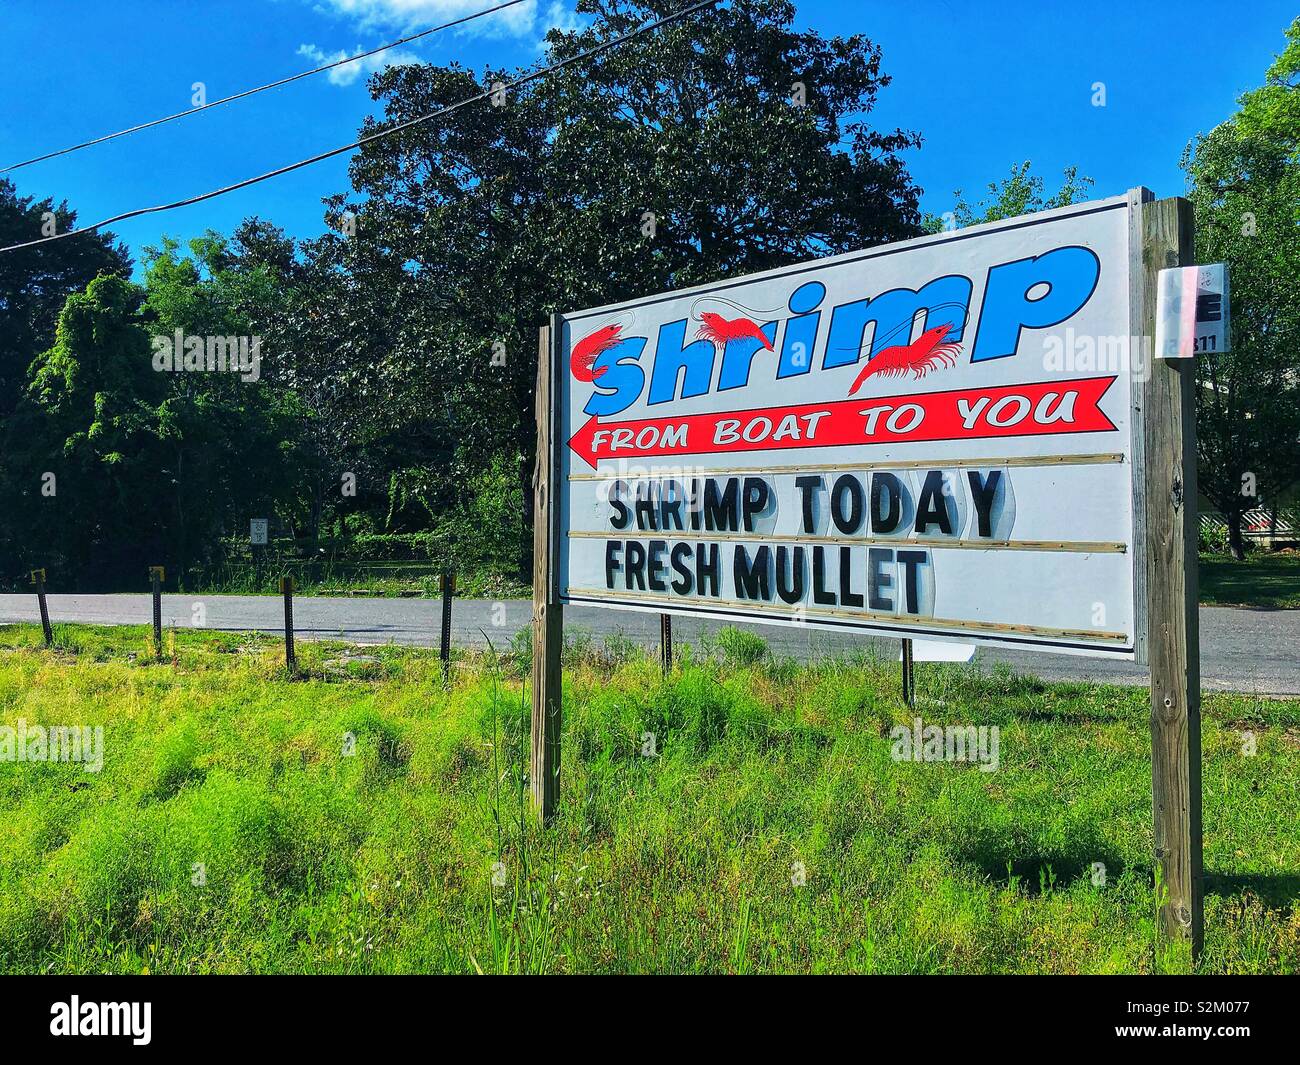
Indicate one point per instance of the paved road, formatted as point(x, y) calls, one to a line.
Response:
point(1241, 650)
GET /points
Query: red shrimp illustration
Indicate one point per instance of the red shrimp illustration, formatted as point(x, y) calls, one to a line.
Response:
point(721, 332)
point(585, 352)
point(927, 352)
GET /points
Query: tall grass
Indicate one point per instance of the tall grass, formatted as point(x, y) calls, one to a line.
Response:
point(373, 817)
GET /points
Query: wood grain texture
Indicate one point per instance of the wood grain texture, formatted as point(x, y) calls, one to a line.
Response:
point(1173, 643)
point(548, 614)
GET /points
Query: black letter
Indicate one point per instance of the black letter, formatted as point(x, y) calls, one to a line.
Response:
point(720, 513)
point(794, 592)
point(753, 582)
point(680, 553)
point(882, 484)
point(635, 565)
point(820, 595)
point(657, 565)
point(982, 495)
point(620, 521)
point(846, 484)
point(646, 518)
point(933, 506)
point(877, 579)
point(755, 500)
point(708, 572)
point(806, 486)
point(847, 597)
point(910, 560)
point(612, 548)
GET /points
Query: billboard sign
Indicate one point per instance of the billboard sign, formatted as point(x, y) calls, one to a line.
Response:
point(931, 439)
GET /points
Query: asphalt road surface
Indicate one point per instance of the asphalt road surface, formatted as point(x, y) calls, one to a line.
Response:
point(1242, 650)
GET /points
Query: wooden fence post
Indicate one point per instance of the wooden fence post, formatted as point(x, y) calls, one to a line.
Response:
point(157, 575)
point(290, 658)
point(38, 579)
point(1168, 411)
point(548, 614)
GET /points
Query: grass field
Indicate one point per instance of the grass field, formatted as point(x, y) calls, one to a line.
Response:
point(1261, 580)
point(371, 818)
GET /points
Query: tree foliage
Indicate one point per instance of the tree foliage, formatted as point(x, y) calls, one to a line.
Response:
point(1244, 181)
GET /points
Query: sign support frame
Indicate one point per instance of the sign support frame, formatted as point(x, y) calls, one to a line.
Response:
point(1166, 624)
point(1171, 637)
point(548, 613)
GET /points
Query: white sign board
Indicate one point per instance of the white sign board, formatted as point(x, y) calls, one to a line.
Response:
point(1192, 311)
point(257, 531)
point(932, 438)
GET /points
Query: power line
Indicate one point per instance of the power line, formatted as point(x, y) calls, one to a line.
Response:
point(578, 57)
point(261, 88)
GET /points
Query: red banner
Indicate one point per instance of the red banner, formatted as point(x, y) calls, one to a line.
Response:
point(1039, 409)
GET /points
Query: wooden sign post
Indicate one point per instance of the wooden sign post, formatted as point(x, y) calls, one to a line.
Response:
point(1168, 424)
point(548, 614)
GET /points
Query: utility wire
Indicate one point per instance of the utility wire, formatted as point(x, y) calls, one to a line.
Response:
point(261, 88)
point(578, 57)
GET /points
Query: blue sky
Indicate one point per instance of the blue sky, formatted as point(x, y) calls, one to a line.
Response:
point(987, 85)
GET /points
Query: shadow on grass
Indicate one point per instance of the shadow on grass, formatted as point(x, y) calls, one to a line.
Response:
point(1275, 889)
point(1034, 871)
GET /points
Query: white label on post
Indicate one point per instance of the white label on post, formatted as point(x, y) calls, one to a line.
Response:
point(257, 531)
point(939, 651)
point(1192, 311)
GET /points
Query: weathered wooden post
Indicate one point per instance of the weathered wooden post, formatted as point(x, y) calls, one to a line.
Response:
point(290, 659)
point(444, 646)
point(548, 614)
point(666, 642)
point(1168, 414)
point(38, 579)
point(156, 576)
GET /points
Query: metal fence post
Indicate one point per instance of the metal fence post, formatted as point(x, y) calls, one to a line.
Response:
point(666, 642)
point(38, 579)
point(444, 646)
point(290, 659)
point(157, 575)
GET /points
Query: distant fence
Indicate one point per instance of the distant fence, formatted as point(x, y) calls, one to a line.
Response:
point(1265, 527)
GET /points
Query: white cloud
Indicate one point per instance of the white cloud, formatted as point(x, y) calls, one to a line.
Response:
point(561, 18)
point(407, 16)
point(403, 17)
point(350, 72)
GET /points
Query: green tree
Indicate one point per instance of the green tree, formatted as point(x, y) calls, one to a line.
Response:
point(34, 282)
point(231, 438)
point(1244, 181)
point(1020, 193)
point(726, 143)
point(86, 439)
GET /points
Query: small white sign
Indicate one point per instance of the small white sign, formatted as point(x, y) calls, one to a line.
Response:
point(939, 651)
point(257, 531)
point(1192, 311)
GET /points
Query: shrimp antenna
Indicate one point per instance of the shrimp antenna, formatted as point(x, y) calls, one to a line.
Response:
point(749, 311)
point(906, 324)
